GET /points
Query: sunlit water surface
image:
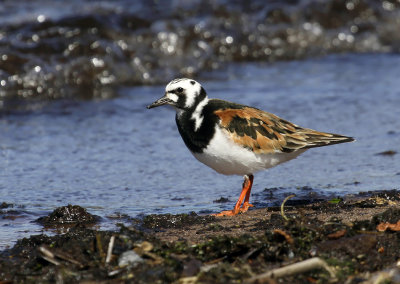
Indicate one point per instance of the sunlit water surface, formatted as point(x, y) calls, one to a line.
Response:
point(116, 157)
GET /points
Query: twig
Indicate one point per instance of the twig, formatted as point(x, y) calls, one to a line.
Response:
point(115, 272)
point(51, 260)
point(155, 257)
point(295, 268)
point(283, 204)
point(46, 252)
point(69, 258)
point(48, 255)
point(100, 247)
point(110, 248)
point(388, 275)
point(288, 238)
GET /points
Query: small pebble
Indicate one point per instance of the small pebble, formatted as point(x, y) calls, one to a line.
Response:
point(129, 258)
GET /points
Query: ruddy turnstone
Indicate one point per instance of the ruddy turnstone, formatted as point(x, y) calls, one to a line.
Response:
point(235, 139)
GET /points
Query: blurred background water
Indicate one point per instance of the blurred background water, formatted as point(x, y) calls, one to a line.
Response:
point(75, 77)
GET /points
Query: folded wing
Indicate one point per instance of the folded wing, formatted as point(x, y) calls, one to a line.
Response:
point(263, 132)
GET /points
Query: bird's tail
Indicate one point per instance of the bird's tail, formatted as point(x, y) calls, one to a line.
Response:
point(308, 138)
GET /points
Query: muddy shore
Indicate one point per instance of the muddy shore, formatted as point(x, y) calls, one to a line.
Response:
point(350, 240)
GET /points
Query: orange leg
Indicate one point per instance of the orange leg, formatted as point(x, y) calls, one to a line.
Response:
point(244, 195)
point(246, 203)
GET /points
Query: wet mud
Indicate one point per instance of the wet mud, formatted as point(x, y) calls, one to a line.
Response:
point(346, 235)
point(70, 214)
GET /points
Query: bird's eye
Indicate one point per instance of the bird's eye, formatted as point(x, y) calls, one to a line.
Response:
point(179, 90)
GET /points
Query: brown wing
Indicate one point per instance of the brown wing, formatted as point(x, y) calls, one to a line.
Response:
point(263, 132)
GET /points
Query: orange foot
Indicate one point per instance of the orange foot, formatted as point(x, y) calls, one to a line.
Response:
point(226, 213)
point(233, 212)
point(244, 196)
point(245, 207)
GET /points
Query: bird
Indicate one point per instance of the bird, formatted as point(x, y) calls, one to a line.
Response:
point(235, 139)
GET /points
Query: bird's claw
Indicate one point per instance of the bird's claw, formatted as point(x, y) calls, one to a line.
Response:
point(233, 212)
point(245, 207)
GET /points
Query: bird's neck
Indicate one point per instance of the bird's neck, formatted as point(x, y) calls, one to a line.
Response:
point(193, 115)
point(193, 125)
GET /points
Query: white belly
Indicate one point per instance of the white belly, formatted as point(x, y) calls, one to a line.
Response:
point(226, 157)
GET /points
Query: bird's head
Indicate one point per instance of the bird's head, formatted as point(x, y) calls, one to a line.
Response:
point(182, 94)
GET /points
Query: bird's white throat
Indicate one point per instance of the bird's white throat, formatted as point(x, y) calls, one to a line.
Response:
point(197, 114)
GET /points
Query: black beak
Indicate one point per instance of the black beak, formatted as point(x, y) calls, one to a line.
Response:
point(161, 101)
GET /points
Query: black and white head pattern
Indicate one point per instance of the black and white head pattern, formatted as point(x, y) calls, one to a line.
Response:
point(184, 93)
point(187, 96)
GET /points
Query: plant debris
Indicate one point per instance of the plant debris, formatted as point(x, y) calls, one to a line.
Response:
point(387, 226)
point(387, 153)
point(319, 243)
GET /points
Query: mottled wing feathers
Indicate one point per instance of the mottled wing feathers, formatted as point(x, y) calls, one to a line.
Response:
point(264, 132)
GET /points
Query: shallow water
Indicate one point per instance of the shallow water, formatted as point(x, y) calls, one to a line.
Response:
point(88, 48)
point(116, 157)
